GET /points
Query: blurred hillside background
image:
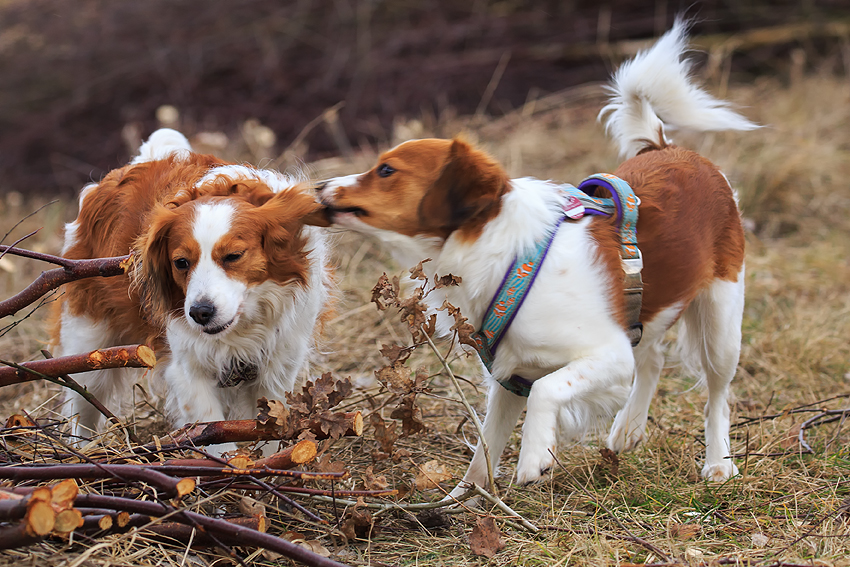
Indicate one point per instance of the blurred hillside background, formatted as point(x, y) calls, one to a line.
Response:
point(81, 81)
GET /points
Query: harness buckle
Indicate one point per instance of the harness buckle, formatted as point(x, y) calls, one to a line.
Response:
point(633, 265)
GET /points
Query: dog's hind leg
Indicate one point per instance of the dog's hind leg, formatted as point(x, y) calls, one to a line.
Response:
point(503, 409)
point(78, 335)
point(629, 428)
point(712, 334)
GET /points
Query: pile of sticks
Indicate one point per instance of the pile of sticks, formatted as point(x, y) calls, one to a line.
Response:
point(52, 491)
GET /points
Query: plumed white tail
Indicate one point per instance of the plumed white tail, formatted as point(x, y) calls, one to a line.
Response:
point(161, 144)
point(658, 83)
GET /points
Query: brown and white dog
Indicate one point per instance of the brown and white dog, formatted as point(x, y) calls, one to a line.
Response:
point(228, 287)
point(443, 199)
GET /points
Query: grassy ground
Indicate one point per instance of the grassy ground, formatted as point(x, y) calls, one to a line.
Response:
point(649, 507)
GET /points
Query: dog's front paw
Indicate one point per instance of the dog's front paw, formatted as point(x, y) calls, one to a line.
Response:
point(626, 433)
point(719, 472)
point(533, 468)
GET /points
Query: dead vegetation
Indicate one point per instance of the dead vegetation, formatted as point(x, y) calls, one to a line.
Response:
point(790, 503)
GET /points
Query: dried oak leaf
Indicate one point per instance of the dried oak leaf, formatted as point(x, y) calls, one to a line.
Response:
point(396, 353)
point(447, 281)
point(371, 481)
point(325, 464)
point(342, 388)
point(791, 440)
point(385, 293)
point(413, 312)
point(610, 460)
point(273, 413)
point(385, 434)
point(334, 425)
point(358, 523)
point(486, 539)
point(685, 531)
point(396, 378)
point(431, 474)
point(464, 330)
point(416, 272)
point(410, 416)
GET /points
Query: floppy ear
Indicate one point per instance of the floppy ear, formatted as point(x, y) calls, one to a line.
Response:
point(283, 218)
point(152, 277)
point(469, 190)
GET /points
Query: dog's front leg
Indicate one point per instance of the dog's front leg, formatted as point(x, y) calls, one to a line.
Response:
point(564, 404)
point(193, 397)
point(503, 409)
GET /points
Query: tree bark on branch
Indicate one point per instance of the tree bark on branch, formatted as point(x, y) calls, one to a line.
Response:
point(70, 271)
point(131, 356)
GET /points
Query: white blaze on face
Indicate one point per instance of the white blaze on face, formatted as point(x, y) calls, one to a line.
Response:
point(213, 300)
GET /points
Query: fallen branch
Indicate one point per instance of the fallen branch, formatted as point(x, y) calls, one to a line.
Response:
point(172, 487)
point(167, 532)
point(240, 430)
point(299, 454)
point(217, 527)
point(131, 356)
point(70, 271)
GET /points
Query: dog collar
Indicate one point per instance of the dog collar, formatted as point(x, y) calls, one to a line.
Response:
point(521, 275)
point(237, 373)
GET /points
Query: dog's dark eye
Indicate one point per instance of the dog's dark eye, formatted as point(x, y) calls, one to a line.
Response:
point(385, 170)
point(232, 257)
point(181, 264)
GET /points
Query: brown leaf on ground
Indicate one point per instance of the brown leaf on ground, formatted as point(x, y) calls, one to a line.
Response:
point(685, 531)
point(610, 461)
point(371, 481)
point(486, 539)
point(791, 439)
point(358, 523)
point(431, 474)
point(410, 416)
point(385, 434)
point(326, 464)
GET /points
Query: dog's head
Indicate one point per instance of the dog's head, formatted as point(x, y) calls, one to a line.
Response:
point(421, 188)
point(206, 249)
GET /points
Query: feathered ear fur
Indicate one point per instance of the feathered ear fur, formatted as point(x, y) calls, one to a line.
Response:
point(283, 218)
point(467, 193)
point(152, 276)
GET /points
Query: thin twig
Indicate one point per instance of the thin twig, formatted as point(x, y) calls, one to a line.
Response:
point(472, 414)
point(18, 241)
point(17, 224)
point(504, 508)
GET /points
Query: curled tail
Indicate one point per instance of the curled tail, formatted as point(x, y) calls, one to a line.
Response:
point(161, 144)
point(657, 83)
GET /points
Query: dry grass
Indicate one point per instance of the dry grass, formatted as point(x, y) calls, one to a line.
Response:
point(794, 508)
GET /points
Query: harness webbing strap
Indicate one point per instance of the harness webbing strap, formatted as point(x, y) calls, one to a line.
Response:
point(522, 273)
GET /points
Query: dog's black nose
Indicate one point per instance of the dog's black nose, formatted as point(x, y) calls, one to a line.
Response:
point(202, 312)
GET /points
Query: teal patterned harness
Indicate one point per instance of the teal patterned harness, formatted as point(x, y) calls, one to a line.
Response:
point(581, 201)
